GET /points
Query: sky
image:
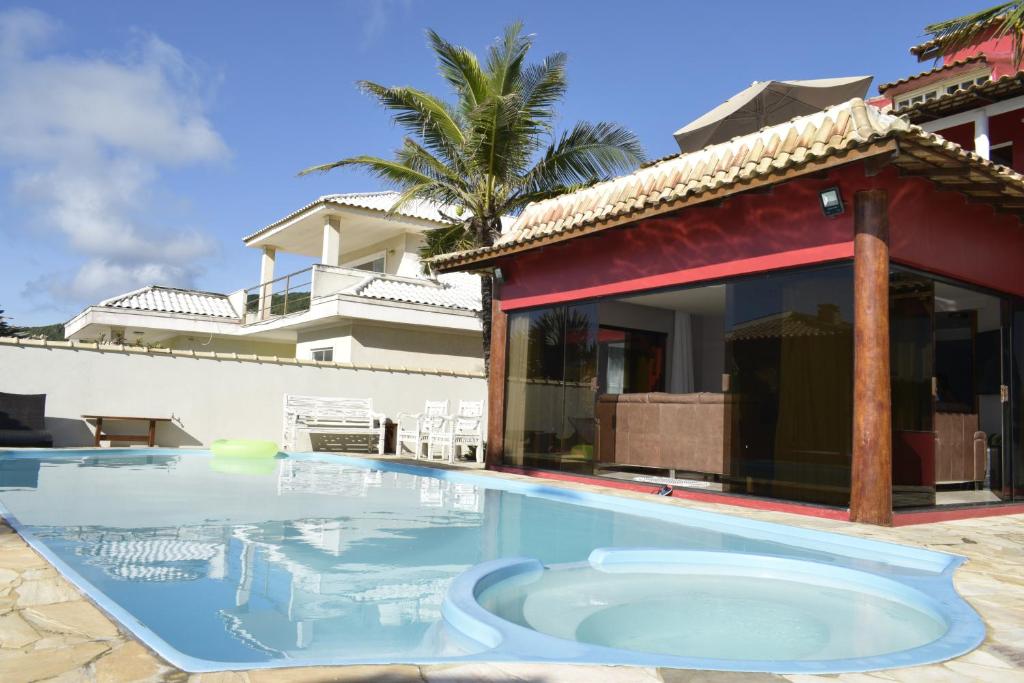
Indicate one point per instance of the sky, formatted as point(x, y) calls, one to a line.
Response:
point(140, 141)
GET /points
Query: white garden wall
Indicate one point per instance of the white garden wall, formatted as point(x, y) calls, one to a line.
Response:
point(210, 396)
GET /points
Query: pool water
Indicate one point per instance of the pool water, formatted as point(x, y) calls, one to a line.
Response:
point(327, 559)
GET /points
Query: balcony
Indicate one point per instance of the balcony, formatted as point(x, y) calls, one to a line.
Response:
point(296, 292)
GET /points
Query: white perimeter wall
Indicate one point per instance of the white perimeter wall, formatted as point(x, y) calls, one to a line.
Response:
point(210, 398)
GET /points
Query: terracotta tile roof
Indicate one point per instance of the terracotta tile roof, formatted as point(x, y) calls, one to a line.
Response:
point(453, 290)
point(171, 300)
point(789, 325)
point(939, 69)
point(835, 136)
point(374, 201)
point(979, 95)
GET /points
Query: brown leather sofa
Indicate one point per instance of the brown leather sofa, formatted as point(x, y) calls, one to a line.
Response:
point(683, 432)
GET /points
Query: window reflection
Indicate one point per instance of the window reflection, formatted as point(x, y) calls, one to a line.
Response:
point(789, 359)
point(552, 376)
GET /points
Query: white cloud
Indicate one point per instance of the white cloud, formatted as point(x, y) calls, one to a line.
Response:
point(87, 139)
point(378, 16)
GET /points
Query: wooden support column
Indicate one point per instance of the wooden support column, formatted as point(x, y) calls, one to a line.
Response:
point(496, 384)
point(871, 476)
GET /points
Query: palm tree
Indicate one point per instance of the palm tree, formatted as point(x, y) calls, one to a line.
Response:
point(5, 329)
point(492, 150)
point(1007, 18)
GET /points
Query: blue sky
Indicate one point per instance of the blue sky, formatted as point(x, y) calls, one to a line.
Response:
point(139, 141)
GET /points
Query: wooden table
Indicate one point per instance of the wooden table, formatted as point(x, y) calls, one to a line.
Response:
point(149, 438)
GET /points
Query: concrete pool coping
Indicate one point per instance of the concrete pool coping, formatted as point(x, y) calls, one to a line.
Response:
point(35, 604)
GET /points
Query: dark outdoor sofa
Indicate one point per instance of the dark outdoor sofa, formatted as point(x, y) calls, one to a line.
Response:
point(21, 421)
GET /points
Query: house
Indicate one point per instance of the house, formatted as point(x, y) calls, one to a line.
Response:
point(973, 96)
point(364, 299)
point(825, 314)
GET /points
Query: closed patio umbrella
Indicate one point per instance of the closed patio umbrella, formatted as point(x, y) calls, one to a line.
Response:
point(766, 103)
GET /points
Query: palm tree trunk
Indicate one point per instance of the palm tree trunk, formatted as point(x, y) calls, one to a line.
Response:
point(486, 295)
point(486, 229)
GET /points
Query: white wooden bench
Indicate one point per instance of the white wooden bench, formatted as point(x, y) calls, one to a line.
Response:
point(328, 415)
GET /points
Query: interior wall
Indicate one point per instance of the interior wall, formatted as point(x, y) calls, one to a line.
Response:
point(708, 352)
point(634, 316)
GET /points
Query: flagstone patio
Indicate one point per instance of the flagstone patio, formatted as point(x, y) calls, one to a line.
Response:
point(50, 632)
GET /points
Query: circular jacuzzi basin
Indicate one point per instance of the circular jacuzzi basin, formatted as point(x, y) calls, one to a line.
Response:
point(709, 609)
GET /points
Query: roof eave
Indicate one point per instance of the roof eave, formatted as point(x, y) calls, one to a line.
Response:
point(914, 153)
point(871, 148)
point(324, 202)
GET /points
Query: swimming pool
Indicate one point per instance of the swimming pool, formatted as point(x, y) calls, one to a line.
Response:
point(325, 559)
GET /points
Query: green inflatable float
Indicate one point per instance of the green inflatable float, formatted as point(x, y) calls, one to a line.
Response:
point(243, 456)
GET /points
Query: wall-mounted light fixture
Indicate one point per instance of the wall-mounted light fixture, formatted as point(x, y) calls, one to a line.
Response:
point(831, 201)
point(499, 276)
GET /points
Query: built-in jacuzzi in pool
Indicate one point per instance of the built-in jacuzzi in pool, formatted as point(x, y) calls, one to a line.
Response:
point(316, 559)
point(704, 609)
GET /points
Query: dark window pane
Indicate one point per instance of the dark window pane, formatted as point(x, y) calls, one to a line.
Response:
point(911, 366)
point(631, 361)
point(789, 358)
point(552, 366)
point(1002, 155)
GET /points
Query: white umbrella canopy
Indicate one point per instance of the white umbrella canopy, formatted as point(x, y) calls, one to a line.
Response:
point(766, 103)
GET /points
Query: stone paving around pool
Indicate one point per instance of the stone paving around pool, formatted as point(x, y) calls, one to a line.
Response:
point(50, 632)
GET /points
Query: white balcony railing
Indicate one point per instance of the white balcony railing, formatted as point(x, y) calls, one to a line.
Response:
point(295, 292)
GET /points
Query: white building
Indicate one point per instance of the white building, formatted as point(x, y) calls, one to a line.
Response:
point(365, 300)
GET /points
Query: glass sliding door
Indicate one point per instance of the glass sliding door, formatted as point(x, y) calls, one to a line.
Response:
point(789, 365)
point(1012, 445)
point(950, 361)
point(550, 388)
point(911, 364)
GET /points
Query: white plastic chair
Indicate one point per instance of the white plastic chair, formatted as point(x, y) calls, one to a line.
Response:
point(468, 429)
point(415, 427)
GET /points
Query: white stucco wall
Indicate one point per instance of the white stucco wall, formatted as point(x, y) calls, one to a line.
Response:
point(417, 347)
point(337, 337)
point(209, 398)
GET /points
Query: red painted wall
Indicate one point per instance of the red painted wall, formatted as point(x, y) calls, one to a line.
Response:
point(1001, 128)
point(941, 232)
point(998, 52)
point(937, 231)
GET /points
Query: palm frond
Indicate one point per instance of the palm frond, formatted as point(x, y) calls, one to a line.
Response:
point(505, 58)
point(461, 69)
point(447, 239)
point(961, 32)
point(584, 154)
point(391, 171)
point(542, 86)
point(421, 115)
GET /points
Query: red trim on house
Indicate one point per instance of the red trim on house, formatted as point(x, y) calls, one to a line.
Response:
point(939, 515)
point(685, 494)
point(807, 510)
point(717, 271)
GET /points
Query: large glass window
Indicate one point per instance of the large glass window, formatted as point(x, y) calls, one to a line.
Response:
point(948, 411)
point(551, 387)
point(911, 361)
point(1012, 452)
point(744, 386)
point(789, 365)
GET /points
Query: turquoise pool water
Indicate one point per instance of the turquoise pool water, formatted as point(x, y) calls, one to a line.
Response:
point(317, 558)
